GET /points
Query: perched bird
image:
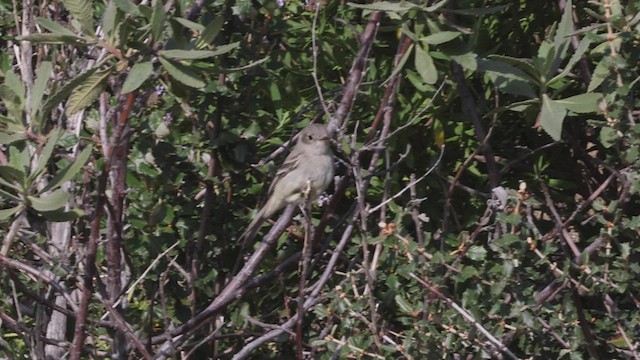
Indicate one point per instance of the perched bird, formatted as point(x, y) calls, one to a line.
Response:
point(309, 167)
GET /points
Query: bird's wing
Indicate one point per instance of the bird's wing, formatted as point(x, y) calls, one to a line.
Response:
point(291, 162)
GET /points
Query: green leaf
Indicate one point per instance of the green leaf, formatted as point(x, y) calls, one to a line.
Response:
point(562, 39)
point(210, 32)
point(45, 155)
point(42, 78)
point(440, 37)
point(274, 90)
point(7, 213)
point(61, 215)
point(404, 305)
point(608, 136)
point(86, 92)
point(477, 253)
point(400, 65)
point(508, 78)
point(49, 202)
point(11, 174)
point(478, 11)
point(157, 19)
point(551, 117)
point(128, 7)
point(60, 94)
point(182, 73)
point(11, 101)
point(56, 39)
point(468, 61)
point(387, 6)
point(197, 54)
point(138, 74)
point(110, 19)
point(82, 10)
point(193, 26)
point(600, 73)
point(70, 171)
point(424, 66)
point(583, 103)
point(54, 26)
point(521, 64)
point(15, 84)
point(577, 55)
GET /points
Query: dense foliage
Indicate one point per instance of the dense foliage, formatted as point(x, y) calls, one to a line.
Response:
point(486, 203)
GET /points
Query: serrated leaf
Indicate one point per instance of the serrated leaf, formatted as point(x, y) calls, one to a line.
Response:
point(440, 37)
point(128, 7)
point(70, 171)
point(182, 73)
point(210, 31)
point(7, 213)
point(425, 66)
point(87, 92)
point(581, 104)
point(42, 78)
point(59, 95)
point(82, 11)
point(61, 215)
point(552, 116)
point(49, 202)
point(54, 26)
point(562, 39)
point(138, 74)
point(157, 19)
point(56, 39)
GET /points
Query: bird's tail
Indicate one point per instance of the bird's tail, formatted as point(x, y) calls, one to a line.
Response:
point(252, 230)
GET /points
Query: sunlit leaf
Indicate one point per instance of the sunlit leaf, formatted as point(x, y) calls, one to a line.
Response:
point(49, 202)
point(581, 104)
point(61, 94)
point(83, 12)
point(87, 92)
point(7, 213)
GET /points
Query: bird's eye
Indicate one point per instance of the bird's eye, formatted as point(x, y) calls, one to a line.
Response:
point(309, 137)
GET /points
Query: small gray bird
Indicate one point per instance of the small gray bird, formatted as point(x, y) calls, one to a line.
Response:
point(308, 167)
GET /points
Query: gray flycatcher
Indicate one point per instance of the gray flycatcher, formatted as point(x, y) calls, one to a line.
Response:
point(308, 167)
